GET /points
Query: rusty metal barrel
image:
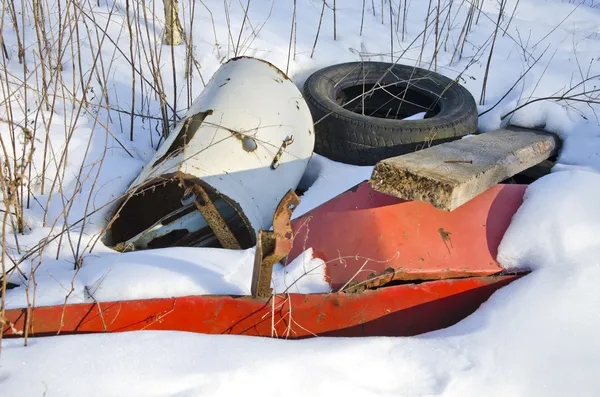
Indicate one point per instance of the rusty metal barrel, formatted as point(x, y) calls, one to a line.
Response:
point(218, 177)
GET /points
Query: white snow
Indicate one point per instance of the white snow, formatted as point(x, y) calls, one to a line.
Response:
point(165, 273)
point(536, 337)
point(325, 179)
point(559, 221)
point(416, 116)
point(304, 275)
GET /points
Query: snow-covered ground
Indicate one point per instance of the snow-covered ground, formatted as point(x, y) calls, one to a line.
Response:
point(536, 337)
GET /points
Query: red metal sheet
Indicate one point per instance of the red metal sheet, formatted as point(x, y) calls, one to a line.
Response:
point(400, 310)
point(361, 232)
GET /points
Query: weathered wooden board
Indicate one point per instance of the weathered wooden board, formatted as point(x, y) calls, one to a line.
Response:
point(450, 174)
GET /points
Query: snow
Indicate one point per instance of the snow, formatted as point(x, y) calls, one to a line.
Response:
point(416, 116)
point(325, 179)
point(536, 337)
point(165, 273)
point(304, 275)
point(559, 220)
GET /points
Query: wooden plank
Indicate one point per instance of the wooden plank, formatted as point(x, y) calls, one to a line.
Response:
point(450, 174)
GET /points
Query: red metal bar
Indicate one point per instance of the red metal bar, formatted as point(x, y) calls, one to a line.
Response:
point(400, 310)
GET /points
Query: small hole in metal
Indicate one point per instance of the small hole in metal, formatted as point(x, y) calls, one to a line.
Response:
point(249, 144)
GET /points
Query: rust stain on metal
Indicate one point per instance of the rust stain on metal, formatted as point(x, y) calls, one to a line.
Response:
point(375, 280)
point(445, 235)
point(273, 246)
point(249, 144)
point(284, 146)
point(214, 219)
point(215, 316)
point(389, 275)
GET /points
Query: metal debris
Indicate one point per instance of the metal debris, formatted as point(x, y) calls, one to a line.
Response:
point(215, 181)
point(273, 246)
point(287, 142)
point(214, 218)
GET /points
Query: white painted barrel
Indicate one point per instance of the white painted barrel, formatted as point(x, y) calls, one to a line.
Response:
point(249, 135)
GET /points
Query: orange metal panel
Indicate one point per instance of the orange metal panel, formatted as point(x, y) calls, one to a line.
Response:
point(400, 310)
point(361, 232)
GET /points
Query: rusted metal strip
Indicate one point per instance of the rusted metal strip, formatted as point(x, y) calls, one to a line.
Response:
point(214, 219)
point(272, 247)
point(374, 281)
point(287, 142)
point(263, 265)
point(282, 224)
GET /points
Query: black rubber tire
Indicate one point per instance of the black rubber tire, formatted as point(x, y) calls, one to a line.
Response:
point(348, 136)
